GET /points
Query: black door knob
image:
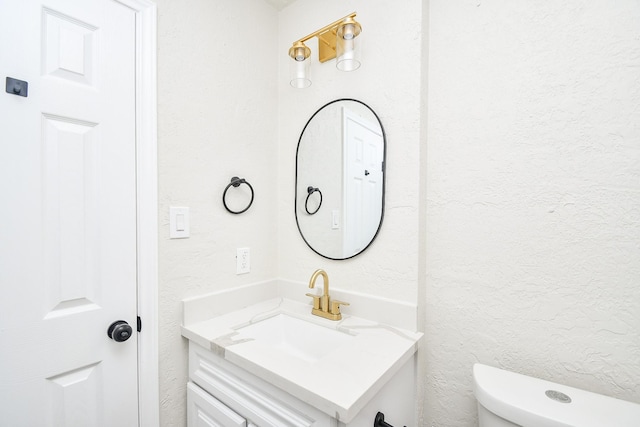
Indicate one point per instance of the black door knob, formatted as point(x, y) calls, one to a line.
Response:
point(119, 331)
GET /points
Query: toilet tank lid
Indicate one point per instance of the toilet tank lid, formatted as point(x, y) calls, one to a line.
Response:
point(523, 400)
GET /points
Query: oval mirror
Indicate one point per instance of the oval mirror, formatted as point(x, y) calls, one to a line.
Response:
point(340, 161)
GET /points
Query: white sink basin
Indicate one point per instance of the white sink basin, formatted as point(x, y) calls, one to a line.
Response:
point(299, 338)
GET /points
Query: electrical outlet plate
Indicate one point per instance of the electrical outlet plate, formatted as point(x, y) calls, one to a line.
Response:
point(243, 261)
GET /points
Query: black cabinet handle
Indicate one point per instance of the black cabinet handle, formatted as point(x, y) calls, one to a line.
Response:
point(379, 421)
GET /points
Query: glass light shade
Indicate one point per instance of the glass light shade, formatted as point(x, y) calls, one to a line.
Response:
point(347, 49)
point(299, 73)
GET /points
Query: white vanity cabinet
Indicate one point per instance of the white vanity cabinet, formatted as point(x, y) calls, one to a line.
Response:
point(221, 394)
point(274, 364)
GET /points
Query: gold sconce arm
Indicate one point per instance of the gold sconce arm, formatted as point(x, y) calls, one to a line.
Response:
point(326, 39)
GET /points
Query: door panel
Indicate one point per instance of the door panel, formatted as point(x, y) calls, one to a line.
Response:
point(70, 166)
point(363, 150)
point(68, 181)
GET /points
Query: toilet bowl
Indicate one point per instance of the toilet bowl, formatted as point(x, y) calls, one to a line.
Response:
point(507, 399)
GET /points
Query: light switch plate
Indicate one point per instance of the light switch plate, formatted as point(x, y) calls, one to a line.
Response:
point(178, 223)
point(335, 219)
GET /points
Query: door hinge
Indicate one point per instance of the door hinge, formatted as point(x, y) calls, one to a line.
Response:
point(139, 324)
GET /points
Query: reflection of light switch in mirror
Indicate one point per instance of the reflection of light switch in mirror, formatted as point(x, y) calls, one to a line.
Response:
point(335, 219)
point(178, 223)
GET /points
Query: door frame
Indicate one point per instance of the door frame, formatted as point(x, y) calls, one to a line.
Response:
point(147, 209)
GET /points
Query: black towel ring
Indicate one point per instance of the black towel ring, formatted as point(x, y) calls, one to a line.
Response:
point(312, 190)
point(235, 182)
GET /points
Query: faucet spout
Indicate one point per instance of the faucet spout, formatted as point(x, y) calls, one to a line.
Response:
point(325, 280)
point(324, 299)
point(322, 305)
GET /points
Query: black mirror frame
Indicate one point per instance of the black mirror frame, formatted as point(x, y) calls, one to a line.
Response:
point(384, 175)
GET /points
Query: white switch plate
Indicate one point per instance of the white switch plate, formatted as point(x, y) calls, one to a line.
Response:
point(335, 219)
point(178, 223)
point(243, 261)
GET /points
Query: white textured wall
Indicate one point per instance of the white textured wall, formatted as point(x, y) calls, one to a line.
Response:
point(217, 118)
point(389, 82)
point(533, 163)
point(225, 109)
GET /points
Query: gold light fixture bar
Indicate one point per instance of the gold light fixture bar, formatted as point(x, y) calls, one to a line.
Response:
point(326, 39)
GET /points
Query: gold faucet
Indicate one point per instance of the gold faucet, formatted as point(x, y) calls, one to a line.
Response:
point(322, 304)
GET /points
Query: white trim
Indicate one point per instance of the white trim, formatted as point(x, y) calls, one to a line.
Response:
point(147, 206)
point(146, 117)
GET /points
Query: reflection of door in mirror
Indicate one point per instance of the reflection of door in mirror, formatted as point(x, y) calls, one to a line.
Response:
point(363, 148)
point(341, 151)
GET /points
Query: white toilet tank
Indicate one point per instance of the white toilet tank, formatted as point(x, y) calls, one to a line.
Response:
point(507, 399)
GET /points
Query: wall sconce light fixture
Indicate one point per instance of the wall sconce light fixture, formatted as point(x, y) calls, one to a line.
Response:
point(336, 40)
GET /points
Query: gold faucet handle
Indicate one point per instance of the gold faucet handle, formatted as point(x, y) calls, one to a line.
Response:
point(316, 300)
point(335, 306)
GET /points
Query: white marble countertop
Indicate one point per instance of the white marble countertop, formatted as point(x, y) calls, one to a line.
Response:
point(340, 383)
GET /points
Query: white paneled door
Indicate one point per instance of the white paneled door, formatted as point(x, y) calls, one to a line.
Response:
point(363, 146)
point(67, 213)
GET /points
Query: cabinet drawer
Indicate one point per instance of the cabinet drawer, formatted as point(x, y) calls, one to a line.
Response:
point(260, 403)
point(203, 410)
